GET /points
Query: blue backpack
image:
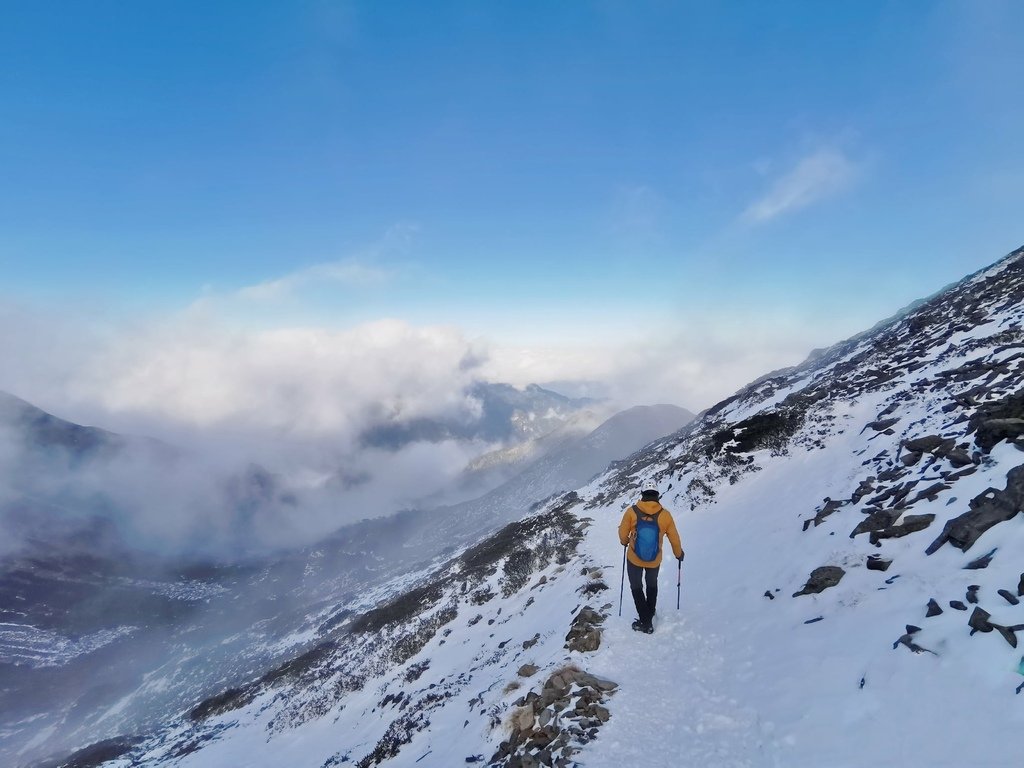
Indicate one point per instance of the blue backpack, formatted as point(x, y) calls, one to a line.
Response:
point(647, 543)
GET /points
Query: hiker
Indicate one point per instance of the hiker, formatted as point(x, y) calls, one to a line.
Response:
point(640, 532)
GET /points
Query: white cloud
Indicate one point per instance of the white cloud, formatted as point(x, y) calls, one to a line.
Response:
point(295, 380)
point(815, 177)
point(709, 359)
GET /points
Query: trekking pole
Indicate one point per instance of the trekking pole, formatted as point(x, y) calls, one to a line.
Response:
point(622, 584)
point(679, 584)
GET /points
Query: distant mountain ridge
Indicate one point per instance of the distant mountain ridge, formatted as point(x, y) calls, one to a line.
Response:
point(505, 414)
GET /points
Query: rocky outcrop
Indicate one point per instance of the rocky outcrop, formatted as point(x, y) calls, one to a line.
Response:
point(585, 632)
point(549, 725)
point(998, 420)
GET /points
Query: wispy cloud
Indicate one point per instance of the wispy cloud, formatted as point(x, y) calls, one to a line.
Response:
point(356, 270)
point(346, 272)
point(815, 177)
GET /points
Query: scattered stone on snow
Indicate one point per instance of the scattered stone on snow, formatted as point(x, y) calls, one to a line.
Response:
point(981, 562)
point(979, 621)
point(907, 640)
point(933, 609)
point(1007, 595)
point(878, 563)
point(956, 604)
point(821, 579)
point(972, 593)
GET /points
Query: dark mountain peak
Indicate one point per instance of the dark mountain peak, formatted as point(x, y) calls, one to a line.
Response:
point(38, 431)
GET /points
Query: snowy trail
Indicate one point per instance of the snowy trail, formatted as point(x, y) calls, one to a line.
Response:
point(673, 707)
point(678, 703)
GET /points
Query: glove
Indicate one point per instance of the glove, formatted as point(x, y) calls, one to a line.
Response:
point(680, 558)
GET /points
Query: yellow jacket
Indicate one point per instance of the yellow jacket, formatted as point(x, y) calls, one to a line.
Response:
point(627, 530)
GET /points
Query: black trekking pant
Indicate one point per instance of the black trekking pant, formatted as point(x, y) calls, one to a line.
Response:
point(645, 604)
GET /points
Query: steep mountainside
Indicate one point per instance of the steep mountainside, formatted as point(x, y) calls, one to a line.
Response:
point(850, 595)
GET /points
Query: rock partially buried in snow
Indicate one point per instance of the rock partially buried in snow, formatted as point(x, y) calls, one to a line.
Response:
point(585, 633)
point(877, 563)
point(821, 579)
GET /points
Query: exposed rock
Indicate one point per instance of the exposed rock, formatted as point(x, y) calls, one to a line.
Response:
point(865, 487)
point(959, 458)
point(1007, 595)
point(99, 753)
point(528, 670)
point(910, 524)
point(876, 521)
point(981, 562)
point(1008, 633)
point(907, 640)
point(992, 431)
point(930, 493)
point(877, 563)
point(925, 444)
point(979, 621)
point(910, 458)
point(585, 632)
point(957, 605)
point(972, 593)
point(821, 579)
point(568, 711)
point(830, 506)
point(523, 718)
point(881, 425)
point(933, 608)
point(986, 510)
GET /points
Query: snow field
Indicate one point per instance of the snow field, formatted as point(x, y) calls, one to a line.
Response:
point(737, 679)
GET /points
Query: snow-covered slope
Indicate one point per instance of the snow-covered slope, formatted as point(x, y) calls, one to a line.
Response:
point(847, 524)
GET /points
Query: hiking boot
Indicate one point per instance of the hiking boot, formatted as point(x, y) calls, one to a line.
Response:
point(648, 628)
point(638, 625)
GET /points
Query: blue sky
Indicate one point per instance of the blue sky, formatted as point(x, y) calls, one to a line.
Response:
point(551, 177)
